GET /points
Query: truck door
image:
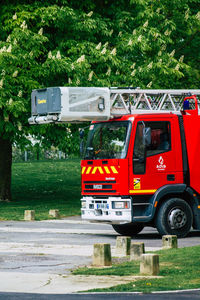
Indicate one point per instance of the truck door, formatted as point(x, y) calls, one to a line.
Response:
point(154, 164)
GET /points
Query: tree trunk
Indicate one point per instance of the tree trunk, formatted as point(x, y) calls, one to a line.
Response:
point(5, 169)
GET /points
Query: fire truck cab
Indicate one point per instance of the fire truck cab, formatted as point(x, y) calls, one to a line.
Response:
point(143, 170)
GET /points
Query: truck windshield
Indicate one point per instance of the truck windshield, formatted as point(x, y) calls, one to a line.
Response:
point(108, 140)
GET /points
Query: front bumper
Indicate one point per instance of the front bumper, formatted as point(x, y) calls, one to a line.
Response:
point(101, 210)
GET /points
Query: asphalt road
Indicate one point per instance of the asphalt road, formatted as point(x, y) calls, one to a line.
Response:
point(74, 231)
point(117, 296)
point(37, 257)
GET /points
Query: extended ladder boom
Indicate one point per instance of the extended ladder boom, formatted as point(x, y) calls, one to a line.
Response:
point(79, 104)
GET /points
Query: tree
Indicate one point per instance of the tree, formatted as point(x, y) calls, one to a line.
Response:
point(88, 43)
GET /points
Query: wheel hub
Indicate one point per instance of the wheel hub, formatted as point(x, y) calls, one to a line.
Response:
point(177, 218)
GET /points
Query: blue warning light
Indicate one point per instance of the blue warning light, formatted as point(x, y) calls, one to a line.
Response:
point(186, 105)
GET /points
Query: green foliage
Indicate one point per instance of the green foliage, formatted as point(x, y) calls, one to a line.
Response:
point(86, 43)
point(18, 58)
point(42, 186)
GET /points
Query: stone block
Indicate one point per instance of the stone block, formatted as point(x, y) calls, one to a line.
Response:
point(29, 215)
point(123, 244)
point(54, 213)
point(149, 264)
point(169, 241)
point(136, 251)
point(101, 255)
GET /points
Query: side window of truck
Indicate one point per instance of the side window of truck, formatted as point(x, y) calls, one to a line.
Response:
point(139, 150)
point(160, 137)
point(160, 142)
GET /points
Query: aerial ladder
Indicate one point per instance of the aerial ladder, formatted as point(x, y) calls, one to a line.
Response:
point(80, 104)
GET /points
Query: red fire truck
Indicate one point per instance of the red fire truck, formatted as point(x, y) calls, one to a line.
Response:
point(140, 166)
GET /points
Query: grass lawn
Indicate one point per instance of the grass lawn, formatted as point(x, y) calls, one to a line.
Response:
point(180, 269)
point(41, 186)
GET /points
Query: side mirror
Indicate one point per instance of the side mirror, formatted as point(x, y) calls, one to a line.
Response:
point(146, 136)
point(81, 133)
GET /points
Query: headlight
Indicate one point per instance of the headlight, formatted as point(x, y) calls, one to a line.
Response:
point(83, 204)
point(120, 204)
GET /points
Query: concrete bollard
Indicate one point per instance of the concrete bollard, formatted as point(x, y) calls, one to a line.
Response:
point(169, 241)
point(54, 213)
point(149, 264)
point(123, 244)
point(137, 249)
point(29, 215)
point(101, 255)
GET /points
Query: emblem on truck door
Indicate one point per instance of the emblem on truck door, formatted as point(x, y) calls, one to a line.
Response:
point(136, 184)
point(161, 166)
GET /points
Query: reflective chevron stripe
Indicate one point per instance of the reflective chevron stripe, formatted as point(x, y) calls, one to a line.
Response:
point(101, 170)
point(97, 168)
point(88, 170)
point(83, 170)
point(107, 170)
point(114, 170)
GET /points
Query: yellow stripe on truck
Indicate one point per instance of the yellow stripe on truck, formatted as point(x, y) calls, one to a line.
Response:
point(100, 170)
point(142, 191)
point(83, 170)
point(114, 170)
point(107, 170)
point(94, 170)
point(97, 168)
point(88, 170)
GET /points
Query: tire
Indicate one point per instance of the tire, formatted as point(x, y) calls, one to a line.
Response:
point(130, 229)
point(174, 218)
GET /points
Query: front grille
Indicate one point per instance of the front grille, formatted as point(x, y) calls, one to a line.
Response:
point(100, 186)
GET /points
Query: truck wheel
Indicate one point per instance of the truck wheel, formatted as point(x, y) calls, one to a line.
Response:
point(174, 218)
point(128, 229)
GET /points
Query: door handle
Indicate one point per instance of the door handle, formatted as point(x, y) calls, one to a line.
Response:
point(141, 160)
point(170, 177)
